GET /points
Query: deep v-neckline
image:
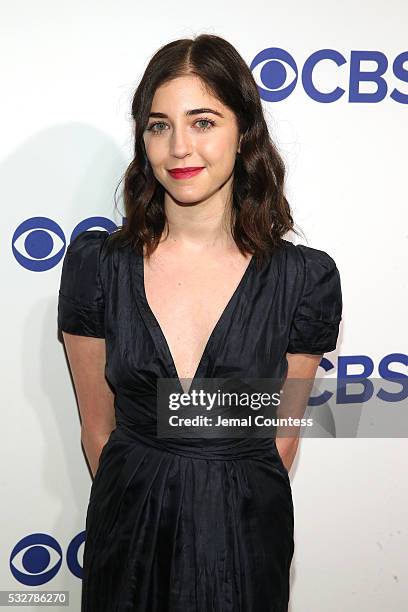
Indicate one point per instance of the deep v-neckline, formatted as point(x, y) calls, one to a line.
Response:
point(159, 331)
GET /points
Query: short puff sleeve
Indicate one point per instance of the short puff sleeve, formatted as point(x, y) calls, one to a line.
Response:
point(81, 303)
point(315, 326)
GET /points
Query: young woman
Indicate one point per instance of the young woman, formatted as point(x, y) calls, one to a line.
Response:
point(199, 283)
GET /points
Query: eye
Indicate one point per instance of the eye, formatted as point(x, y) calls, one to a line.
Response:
point(38, 244)
point(209, 123)
point(36, 559)
point(153, 125)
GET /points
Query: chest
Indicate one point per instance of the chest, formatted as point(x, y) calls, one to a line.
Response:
point(188, 299)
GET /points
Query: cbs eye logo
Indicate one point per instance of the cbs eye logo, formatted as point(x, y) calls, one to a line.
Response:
point(39, 243)
point(276, 75)
point(37, 558)
point(269, 69)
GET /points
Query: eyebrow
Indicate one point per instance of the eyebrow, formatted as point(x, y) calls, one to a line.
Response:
point(194, 111)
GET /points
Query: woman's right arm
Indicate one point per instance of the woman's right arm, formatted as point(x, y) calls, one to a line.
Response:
point(87, 357)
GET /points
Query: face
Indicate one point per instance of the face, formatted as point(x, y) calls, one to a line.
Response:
point(180, 134)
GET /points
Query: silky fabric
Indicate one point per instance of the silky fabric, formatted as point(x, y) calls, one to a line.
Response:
point(191, 525)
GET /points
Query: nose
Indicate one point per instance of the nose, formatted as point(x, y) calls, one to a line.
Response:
point(180, 142)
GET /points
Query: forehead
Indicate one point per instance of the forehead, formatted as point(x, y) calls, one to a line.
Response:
point(185, 93)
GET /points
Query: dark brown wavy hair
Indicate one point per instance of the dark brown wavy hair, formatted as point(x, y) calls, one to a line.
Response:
point(261, 214)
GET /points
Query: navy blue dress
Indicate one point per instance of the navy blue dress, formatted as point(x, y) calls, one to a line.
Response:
point(182, 526)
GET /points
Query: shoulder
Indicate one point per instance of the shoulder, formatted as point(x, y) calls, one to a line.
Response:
point(87, 241)
point(302, 256)
point(88, 252)
point(82, 271)
point(318, 302)
point(315, 280)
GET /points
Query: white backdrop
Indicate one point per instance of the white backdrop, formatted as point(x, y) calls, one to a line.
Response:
point(68, 73)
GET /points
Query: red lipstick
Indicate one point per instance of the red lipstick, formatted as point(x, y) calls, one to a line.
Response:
point(182, 173)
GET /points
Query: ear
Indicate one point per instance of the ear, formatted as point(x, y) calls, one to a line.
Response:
point(239, 144)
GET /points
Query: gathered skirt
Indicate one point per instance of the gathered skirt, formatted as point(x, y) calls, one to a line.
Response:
point(172, 529)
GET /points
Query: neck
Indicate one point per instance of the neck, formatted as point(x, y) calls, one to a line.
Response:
point(199, 225)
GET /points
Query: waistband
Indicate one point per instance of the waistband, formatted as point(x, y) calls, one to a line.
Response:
point(198, 448)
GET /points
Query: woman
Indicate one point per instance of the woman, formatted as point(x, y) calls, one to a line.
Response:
point(199, 283)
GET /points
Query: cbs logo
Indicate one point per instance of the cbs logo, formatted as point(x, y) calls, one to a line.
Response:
point(37, 558)
point(273, 67)
point(39, 243)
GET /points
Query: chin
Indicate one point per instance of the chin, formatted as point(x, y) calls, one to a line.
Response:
point(185, 196)
point(188, 201)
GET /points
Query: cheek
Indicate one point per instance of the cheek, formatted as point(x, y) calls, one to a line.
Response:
point(218, 152)
point(155, 151)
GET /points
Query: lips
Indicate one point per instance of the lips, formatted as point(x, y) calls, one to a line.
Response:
point(180, 173)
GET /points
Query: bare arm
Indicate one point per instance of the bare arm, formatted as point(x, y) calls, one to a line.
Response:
point(87, 357)
point(300, 366)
